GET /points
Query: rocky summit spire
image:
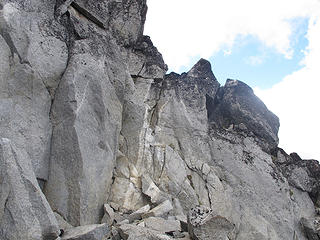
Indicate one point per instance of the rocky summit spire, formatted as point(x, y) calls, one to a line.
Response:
point(97, 142)
point(202, 69)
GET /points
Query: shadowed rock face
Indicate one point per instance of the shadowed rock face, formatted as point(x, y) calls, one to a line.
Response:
point(235, 103)
point(302, 174)
point(92, 115)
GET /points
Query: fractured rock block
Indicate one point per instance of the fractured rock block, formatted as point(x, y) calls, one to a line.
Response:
point(162, 225)
point(160, 210)
point(150, 189)
point(108, 215)
point(138, 214)
point(88, 232)
point(132, 232)
point(205, 225)
point(86, 114)
point(24, 210)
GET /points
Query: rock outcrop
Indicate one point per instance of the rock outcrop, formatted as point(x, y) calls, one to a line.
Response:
point(99, 133)
point(24, 210)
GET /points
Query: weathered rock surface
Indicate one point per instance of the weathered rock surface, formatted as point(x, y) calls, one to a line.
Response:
point(131, 232)
point(162, 225)
point(86, 112)
point(24, 210)
point(93, 117)
point(302, 174)
point(204, 224)
point(311, 229)
point(235, 104)
point(89, 232)
point(63, 224)
point(32, 58)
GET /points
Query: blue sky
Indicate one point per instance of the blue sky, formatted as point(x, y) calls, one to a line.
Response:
point(250, 61)
point(272, 45)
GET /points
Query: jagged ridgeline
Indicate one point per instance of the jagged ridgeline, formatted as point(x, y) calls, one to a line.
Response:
point(97, 142)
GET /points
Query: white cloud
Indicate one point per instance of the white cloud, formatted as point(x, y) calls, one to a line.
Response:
point(183, 29)
point(296, 101)
point(255, 60)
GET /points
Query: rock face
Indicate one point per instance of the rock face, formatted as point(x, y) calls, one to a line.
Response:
point(100, 133)
point(24, 210)
point(236, 105)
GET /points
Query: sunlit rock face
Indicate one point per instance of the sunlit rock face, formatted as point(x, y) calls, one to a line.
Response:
point(93, 131)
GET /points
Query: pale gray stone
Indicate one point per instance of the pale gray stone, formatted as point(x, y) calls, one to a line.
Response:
point(310, 229)
point(86, 115)
point(150, 189)
point(132, 232)
point(160, 210)
point(63, 224)
point(24, 210)
point(92, 232)
point(109, 215)
point(32, 60)
point(124, 132)
point(205, 225)
point(139, 213)
point(162, 225)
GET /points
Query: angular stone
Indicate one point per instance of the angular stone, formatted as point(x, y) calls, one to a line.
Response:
point(159, 210)
point(151, 190)
point(132, 232)
point(115, 206)
point(125, 193)
point(162, 225)
point(24, 210)
point(183, 222)
point(204, 225)
point(63, 224)
point(139, 213)
point(92, 232)
point(108, 215)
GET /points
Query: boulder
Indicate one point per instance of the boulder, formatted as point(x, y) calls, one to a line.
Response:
point(205, 225)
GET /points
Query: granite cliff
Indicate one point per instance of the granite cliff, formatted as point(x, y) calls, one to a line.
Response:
point(98, 142)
